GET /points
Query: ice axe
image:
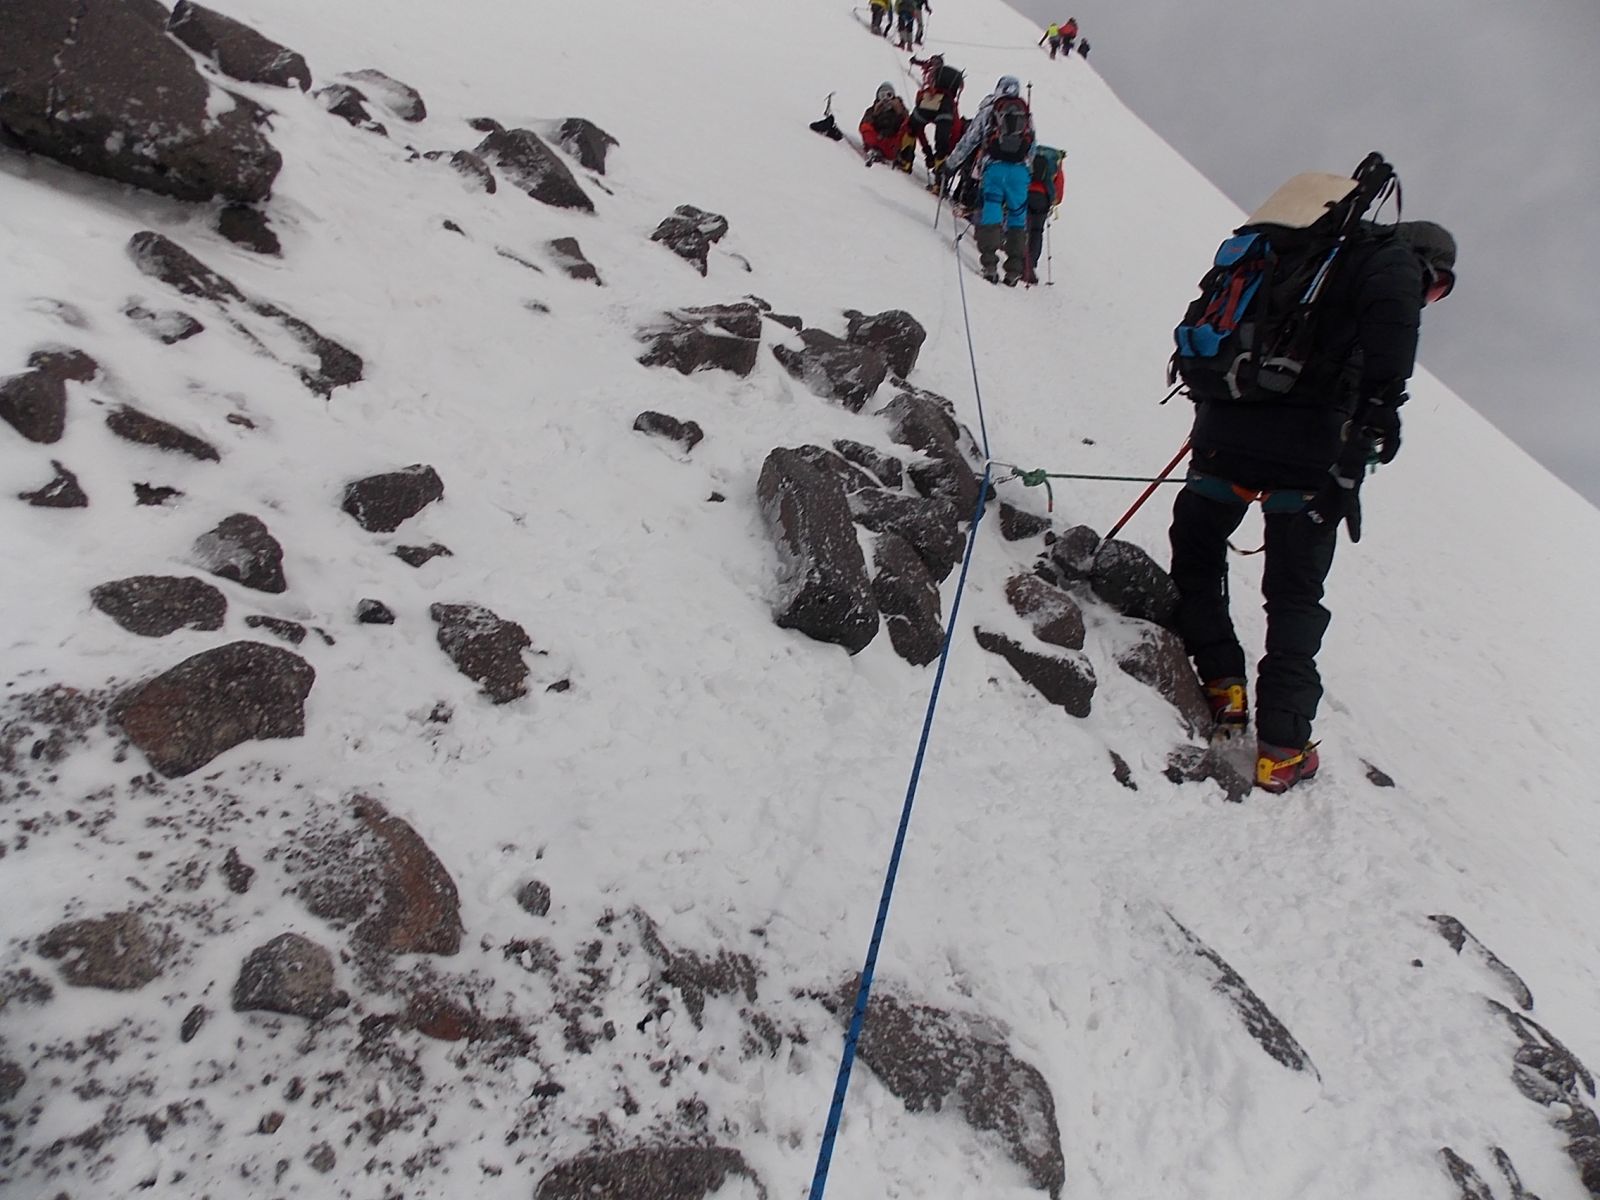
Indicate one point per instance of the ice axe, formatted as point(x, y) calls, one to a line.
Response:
point(825, 124)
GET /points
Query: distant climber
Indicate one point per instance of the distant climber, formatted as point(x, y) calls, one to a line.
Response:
point(1302, 453)
point(880, 15)
point(995, 147)
point(937, 104)
point(1061, 37)
point(1083, 49)
point(905, 17)
point(1069, 34)
point(886, 131)
point(923, 8)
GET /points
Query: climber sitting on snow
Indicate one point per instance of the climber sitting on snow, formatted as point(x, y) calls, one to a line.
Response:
point(885, 130)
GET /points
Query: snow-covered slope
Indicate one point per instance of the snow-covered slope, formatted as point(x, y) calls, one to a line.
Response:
point(709, 784)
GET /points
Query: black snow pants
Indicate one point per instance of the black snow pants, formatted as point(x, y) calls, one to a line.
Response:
point(1299, 553)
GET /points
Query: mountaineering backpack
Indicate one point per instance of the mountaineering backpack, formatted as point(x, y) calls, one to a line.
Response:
point(1048, 183)
point(1010, 130)
point(1250, 334)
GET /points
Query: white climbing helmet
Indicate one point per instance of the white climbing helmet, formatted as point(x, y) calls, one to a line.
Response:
point(885, 90)
point(1009, 85)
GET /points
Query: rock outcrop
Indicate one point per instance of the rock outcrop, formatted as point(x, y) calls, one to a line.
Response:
point(896, 334)
point(238, 51)
point(1157, 659)
point(724, 337)
point(908, 598)
point(535, 168)
point(117, 952)
point(131, 425)
point(291, 975)
point(690, 233)
point(485, 647)
point(687, 434)
point(242, 548)
point(34, 403)
point(925, 422)
point(156, 605)
point(834, 368)
point(63, 491)
point(403, 100)
point(569, 256)
point(1066, 682)
point(586, 142)
point(382, 503)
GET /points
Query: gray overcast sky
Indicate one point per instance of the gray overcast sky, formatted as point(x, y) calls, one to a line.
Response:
point(1491, 113)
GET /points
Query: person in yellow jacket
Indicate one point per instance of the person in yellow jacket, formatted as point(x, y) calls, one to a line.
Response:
point(881, 22)
point(1053, 36)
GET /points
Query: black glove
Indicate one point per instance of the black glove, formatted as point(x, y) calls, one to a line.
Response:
point(1339, 500)
point(1378, 423)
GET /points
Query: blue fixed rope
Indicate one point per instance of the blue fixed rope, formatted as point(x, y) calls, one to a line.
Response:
point(858, 1016)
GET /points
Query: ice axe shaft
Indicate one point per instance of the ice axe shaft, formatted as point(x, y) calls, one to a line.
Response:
point(1146, 494)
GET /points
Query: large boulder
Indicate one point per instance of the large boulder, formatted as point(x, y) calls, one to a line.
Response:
point(291, 975)
point(822, 586)
point(247, 226)
point(116, 952)
point(908, 598)
point(34, 403)
point(895, 333)
point(1068, 683)
point(586, 142)
point(535, 168)
point(690, 233)
point(485, 647)
point(661, 1172)
point(403, 100)
point(926, 422)
point(1156, 658)
point(1120, 573)
point(156, 605)
point(851, 477)
point(214, 701)
point(131, 425)
point(381, 503)
point(349, 104)
point(931, 527)
point(886, 469)
point(101, 87)
point(242, 548)
point(833, 368)
point(725, 337)
point(238, 50)
point(1053, 614)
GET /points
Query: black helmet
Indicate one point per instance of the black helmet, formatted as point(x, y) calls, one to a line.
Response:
point(1434, 244)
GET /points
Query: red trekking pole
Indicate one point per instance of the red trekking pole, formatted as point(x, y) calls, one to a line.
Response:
point(1145, 495)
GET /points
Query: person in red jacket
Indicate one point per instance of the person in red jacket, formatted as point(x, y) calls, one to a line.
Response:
point(885, 130)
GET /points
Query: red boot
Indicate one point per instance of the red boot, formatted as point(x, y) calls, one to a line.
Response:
point(1279, 768)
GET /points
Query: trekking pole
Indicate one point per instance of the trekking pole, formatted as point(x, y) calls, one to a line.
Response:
point(1049, 256)
point(1146, 494)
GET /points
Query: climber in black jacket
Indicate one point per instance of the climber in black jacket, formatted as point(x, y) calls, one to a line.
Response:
point(1303, 458)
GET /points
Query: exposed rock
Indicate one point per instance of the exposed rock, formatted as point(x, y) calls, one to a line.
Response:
point(1067, 682)
point(399, 98)
point(1378, 777)
point(485, 125)
point(1053, 615)
point(237, 49)
point(690, 233)
point(156, 605)
point(102, 88)
point(586, 142)
point(12, 1077)
point(533, 898)
point(696, 977)
point(833, 368)
point(851, 477)
point(34, 403)
point(131, 425)
point(908, 598)
point(532, 166)
point(213, 701)
point(658, 1172)
point(381, 503)
point(291, 975)
point(416, 556)
point(686, 433)
point(922, 420)
point(485, 648)
point(885, 467)
point(242, 549)
point(931, 527)
point(1549, 1074)
point(116, 952)
point(1220, 763)
point(1269, 1032)
point(150, 494)
point(290, 631)
point(895, 333)
point(1069, 556)
point(322, 1158)
point(451, 227)
point(381, 877)
point(1465, 1176)
point(349, 104)
point(787, 320)
point(1121, 772)
point(63, 491)
point(170, 327)
point(1460, 938)
point(374, 612)
point(469, 166)
point(722, 336)
point(936, 1061)
point(569, 255)
point(1158, 660)
point(236, 872)
point(1016, 525)
point(247, 226)
point(822, 588)
point(1128, 579)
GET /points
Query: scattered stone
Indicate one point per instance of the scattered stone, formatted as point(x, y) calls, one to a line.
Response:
point(1158, 660)
point(247, 226)
point(213, 701)
point(723, 336)
point(382, 878)
point(690, 233)
point(533, 898)
point(270, 1123)
point(586, 142)
point(291, 975)
point(1459, 937)
point(485, 648)
point(399, 98)
point(522, 262)
point(822, 587)
point(169, 327)
point(12, 1077)
point(1017, 525)
point(1219, 763)
point(569, 255)
point(238, 50)
point(131, 425)
point(924, 422)
point(236, 872)
point(321, 1158)
point(559, 686)
point(833, 368)
point(532, 166)
point(193, 1021)
point(240, 420)
point(931, 527)
point(896, 334)
point(374, 612)
point(908, 598)
point(290, 631)
point(151, 494)
point(156, 605)
point(716, 498)
point(686, 433)
point(100, 87)
point(1121, 772)
point(242, 549)
point(34, 403)
point(1069, 555)
point(381, 503)
point(469, 166)
point(1377, 777)
point(1053, 615)
point(349, 104)
point(63, 491)
point(886, 468)
point(116, 952)
point(452, 227)
point(416, 556)
point(684, 1172)
point(1066, 682)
